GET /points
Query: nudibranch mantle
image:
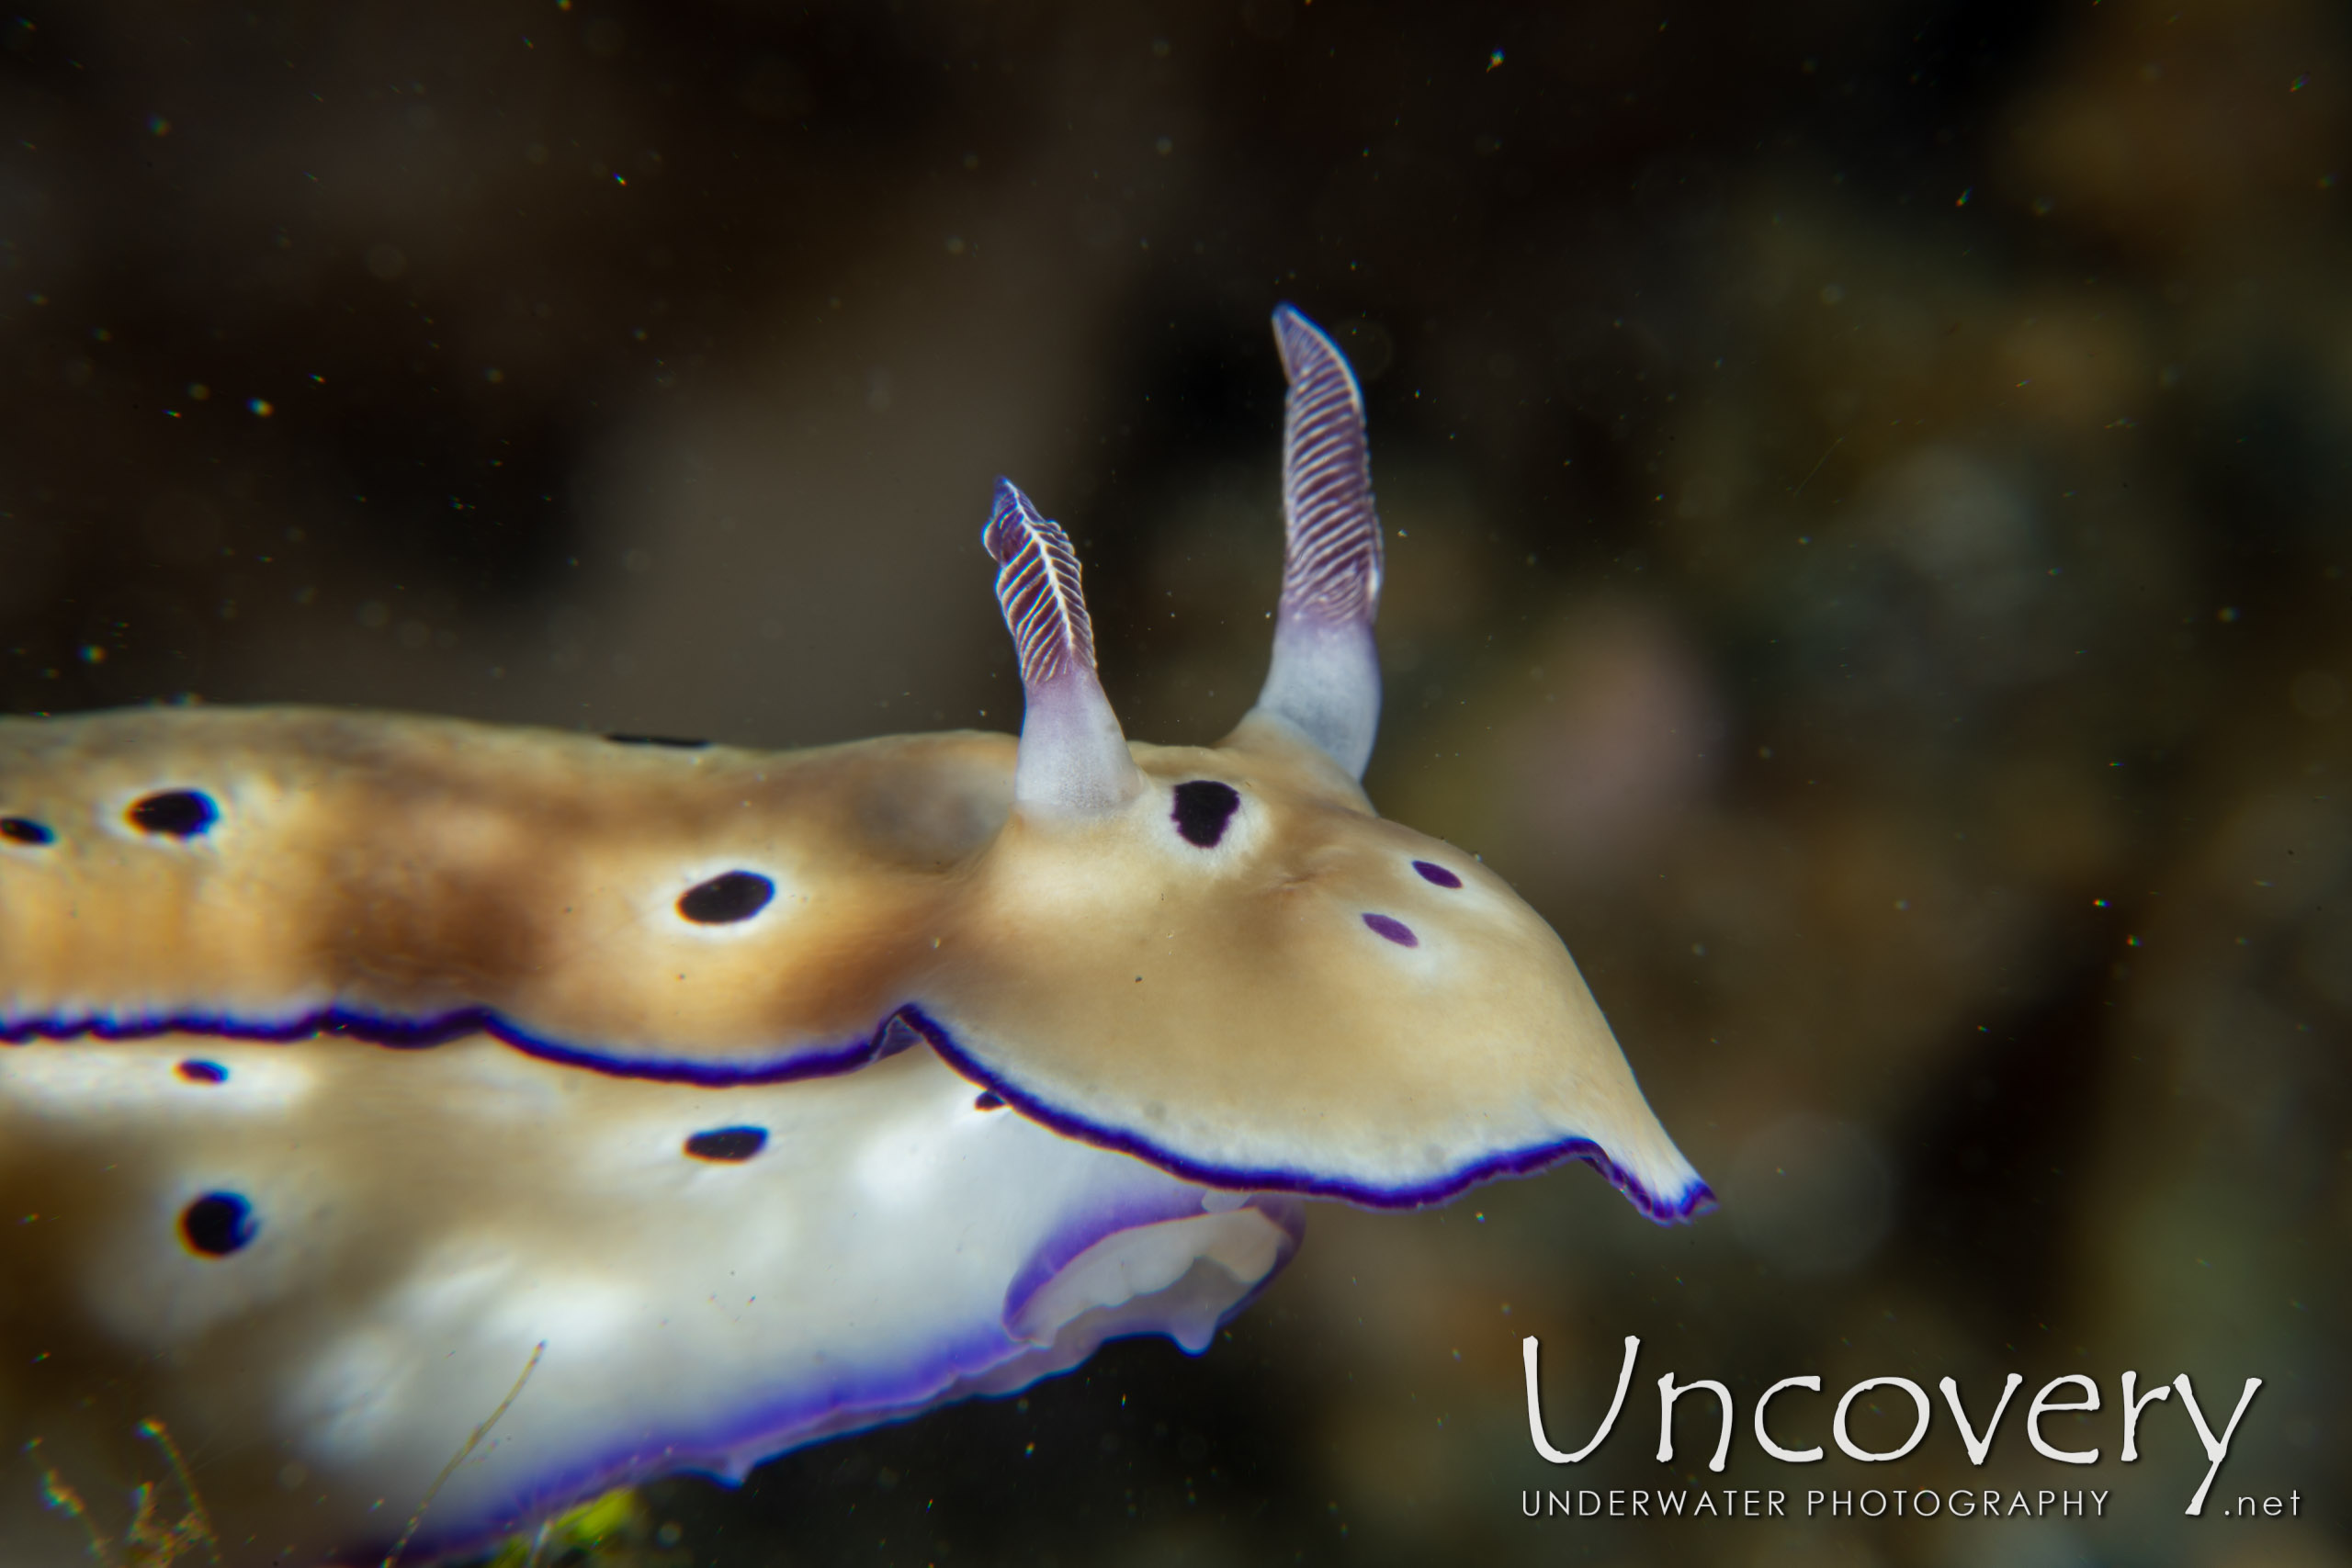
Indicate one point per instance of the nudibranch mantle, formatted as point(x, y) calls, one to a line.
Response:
point(690, 1023)
point(1223, 1010)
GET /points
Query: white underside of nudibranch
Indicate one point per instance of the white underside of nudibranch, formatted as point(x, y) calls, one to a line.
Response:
point(346, 1060)
point(889, 1245)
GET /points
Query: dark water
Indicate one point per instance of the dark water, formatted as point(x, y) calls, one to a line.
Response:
point(1867, 492)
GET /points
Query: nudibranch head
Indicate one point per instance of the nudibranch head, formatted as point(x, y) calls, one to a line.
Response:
point(1222, 959)
point(1244, 976)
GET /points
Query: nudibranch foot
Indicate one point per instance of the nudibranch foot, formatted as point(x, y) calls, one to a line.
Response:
point(888, 1246)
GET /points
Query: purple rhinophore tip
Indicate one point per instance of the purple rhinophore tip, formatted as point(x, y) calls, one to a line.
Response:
point(1332, 556)
point(1036, 586)
point(1395, 930)
point(1323, 680)
point(1431, 872)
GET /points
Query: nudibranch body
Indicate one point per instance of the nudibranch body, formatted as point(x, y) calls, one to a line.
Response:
point(773, 1095)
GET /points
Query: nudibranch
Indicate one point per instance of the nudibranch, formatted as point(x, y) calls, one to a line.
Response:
point(358, 1064)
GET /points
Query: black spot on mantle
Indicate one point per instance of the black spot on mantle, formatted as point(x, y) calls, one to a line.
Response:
point(25, 830)
point(728, 1145)
point(1203, 808)
point(179, 813)
point(726, 898)
point(217, 1225)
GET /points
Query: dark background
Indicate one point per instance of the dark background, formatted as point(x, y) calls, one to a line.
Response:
point(1867, 495)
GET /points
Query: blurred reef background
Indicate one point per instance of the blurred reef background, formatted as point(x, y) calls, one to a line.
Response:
point(1866, 485)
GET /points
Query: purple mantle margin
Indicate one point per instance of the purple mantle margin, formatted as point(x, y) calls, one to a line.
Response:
point(1696, 1200)
point(411, 1034)
point(887, 1038)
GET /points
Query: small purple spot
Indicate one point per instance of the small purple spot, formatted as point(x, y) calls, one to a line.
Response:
point(989, 1100)
point(1437, 873)
point(196, 1071)
point(1395, 930)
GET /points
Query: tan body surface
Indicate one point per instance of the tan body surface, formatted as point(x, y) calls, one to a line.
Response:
point(408, 869)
